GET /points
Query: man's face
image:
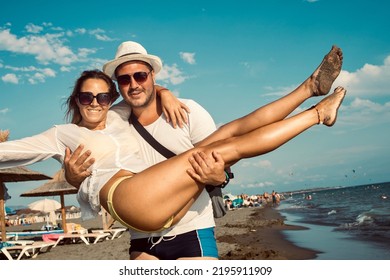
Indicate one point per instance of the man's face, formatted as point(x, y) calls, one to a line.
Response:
point(136, 84)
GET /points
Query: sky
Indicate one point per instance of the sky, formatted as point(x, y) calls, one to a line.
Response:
point(231, 57)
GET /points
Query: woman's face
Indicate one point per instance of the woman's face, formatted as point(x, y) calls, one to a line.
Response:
point(94, 114)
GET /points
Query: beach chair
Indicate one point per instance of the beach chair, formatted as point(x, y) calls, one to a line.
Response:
point(85, 237)
point(29, 234)
point(75, 228)
point(8, 237)
point(114, 232)
point(17, 252)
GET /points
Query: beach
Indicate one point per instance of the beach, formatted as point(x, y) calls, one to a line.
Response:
point(242, 234)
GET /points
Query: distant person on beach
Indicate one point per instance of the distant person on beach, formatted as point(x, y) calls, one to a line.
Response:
point(273, 195)
point(277, 198)
point(155, 198)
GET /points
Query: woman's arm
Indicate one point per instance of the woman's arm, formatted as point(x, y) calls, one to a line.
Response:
point(174, 110)
point(30, 150)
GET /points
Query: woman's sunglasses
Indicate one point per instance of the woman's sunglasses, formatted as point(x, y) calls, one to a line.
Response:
point(139, 77)
point(86, 98)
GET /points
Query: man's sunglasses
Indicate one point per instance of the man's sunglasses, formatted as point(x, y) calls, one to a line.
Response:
point(139, 77)
point(86, 98)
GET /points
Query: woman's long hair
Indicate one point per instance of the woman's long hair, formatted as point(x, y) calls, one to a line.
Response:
point(72, 113)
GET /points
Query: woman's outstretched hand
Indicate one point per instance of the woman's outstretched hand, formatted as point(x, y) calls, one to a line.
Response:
point(76, 165)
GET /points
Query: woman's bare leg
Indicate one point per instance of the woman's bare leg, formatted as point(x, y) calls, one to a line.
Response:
point(319, 83)
point(148, 199)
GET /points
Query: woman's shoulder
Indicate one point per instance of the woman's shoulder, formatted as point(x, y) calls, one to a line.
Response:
point(121, 109)
point(65, 127)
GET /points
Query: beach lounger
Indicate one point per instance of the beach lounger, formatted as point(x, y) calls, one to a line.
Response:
point(21, 242)
point(17, 252)
point(86, 238)
point(16, 234)
point(114, 232)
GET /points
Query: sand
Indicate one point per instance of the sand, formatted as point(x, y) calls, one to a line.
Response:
point(243, 234)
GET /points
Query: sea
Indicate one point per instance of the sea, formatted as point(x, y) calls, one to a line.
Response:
point(343, 223)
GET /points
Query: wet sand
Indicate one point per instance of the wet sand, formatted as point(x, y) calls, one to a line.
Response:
point(243, 234)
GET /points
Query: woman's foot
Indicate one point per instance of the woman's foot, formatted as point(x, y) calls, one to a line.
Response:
point(323, 77)
point(328, 107)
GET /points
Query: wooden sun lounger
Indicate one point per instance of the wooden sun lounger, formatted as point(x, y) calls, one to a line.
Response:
point(114, 232)
point(30, 250)
point(75, 237)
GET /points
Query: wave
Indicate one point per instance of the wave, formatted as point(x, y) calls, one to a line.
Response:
point(366, 218)
point(372, 218)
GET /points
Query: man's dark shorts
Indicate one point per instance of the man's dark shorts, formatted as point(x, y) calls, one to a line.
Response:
point(196, 243)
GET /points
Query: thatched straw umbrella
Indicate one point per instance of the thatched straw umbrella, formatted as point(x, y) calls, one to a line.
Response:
point(15, 174)
point(57, 186)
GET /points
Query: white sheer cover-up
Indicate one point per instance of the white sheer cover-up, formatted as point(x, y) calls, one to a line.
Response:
point(111, 154)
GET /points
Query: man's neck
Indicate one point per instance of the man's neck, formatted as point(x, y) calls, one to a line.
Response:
point(149, 114)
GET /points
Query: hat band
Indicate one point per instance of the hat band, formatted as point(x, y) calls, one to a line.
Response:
point(128, 54)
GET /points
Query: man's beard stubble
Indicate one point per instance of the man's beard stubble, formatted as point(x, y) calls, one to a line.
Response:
point(149, 98)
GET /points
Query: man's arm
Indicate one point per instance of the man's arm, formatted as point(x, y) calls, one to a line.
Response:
point(76, 165)
point(206, 170)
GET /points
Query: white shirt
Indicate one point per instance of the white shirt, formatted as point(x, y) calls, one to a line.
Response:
point(114, 148)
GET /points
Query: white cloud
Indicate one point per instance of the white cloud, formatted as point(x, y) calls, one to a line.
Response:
point(69, 33)
point(32, 28)
point(81, 30)
point(100, 35)
point(370, 80)
point(10, 78)
point(361, 113)
point(103, 37)
point(66, 69)
point(33, 74)
point(49, 47)
point(84, 52)
point(171, 74)
point(361, 104)
point(46, 48)
point(4, 111)
point(49, 24)
point(188, 57)
point(48, 72)
point(37, 77)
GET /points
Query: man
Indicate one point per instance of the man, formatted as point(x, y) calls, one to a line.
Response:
point(193, 237)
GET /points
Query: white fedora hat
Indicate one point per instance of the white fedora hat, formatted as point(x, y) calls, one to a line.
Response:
point(131, 51)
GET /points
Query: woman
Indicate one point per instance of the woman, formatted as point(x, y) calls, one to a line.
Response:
point(165, 191)
point(88, 108)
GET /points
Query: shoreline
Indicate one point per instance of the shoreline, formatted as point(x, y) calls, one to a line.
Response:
point(242, 234)
point(258, 234)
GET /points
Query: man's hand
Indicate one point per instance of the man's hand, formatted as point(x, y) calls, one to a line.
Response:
point(207, 170)
point(76, 165)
